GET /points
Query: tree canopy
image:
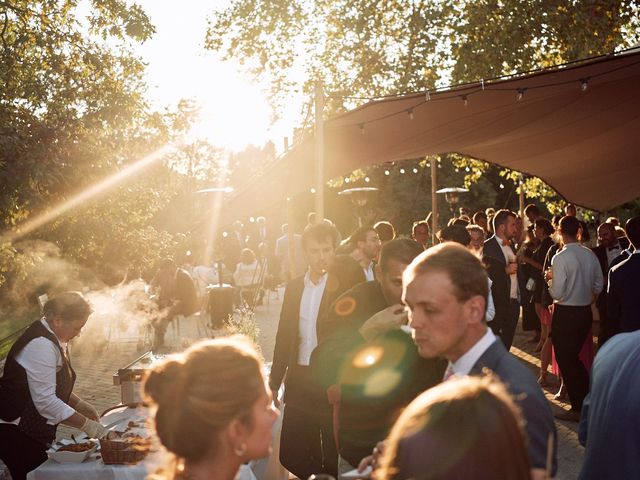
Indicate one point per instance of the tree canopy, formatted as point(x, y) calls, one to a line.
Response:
point(364, 50)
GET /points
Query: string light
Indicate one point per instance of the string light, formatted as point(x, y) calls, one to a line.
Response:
point(428, 96)
point(482, 83)
point(520, 94)
point(313, 190)
point(502, 185)
point(584, 84)
point(367, 179)
point(410, 112)
point(415, 170)
point(464, 100)
point(362, 129)
point(467, 169)
point(347, 180)
point(402, 171)
point(387, 173)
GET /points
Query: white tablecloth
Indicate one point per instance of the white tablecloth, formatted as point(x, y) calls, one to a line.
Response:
point(94, 469)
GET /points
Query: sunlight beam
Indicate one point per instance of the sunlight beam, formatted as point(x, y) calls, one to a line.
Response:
point(86, 195)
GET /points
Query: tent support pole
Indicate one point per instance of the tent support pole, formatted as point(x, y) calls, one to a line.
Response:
point(434, 200)
point(319, 151)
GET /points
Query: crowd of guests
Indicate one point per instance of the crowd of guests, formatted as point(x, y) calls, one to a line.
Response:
point(393, 353)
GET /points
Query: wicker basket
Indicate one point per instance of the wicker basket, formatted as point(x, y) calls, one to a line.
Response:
point(117, 452)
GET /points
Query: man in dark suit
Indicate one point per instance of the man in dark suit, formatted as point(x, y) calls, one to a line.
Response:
point(445, 290)
point(500, 257)
point(623, 298)
point(608, 428)
point(366, 319)
point(608, 249)
point(306, 447)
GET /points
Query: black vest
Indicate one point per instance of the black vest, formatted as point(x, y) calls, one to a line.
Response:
point(15, 398)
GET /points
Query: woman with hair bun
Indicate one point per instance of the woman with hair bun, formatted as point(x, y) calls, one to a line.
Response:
point(213, 411)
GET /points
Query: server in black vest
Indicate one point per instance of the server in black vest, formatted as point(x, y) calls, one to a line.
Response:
point(36, 389)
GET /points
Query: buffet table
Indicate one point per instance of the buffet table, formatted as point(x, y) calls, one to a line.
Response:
point(93, 467)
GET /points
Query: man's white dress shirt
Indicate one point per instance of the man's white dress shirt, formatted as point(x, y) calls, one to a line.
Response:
point(309, 308)
point(41, 359)
point(509, 257)
point(465, 363)
point(368, 273)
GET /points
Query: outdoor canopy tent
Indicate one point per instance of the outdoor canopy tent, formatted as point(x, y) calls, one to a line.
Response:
point(576, 126)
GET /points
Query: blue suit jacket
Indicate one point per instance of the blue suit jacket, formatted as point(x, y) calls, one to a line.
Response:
point(623, 297)
point(528, 395)
point(610, 425)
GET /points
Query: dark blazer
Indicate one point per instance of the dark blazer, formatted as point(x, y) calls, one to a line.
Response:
point(528, 395)
point(493, 259)
point(607, 329)
point(609, 423)
point(623, 298)
point(285, 353)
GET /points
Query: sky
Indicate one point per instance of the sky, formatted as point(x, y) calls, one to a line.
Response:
point(234, 110)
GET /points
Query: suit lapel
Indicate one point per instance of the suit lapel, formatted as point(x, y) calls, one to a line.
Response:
point(490, 358)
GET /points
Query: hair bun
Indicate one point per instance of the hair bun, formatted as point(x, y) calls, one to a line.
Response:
point(166, 385)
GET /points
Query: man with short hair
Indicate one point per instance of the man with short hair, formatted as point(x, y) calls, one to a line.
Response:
point(445, 291)
point(532, 213)
point(366, 245)
point(608, 249)
point(574, 283)
point(304, 450)
point(623, 298)
point(420, 233)
point(571, 211)
point(176, 293)
point(385, 231)
point(500, 257)
point(367, 343)
point(480, 218)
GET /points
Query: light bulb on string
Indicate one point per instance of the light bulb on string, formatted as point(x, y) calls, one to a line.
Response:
point(465, 101)
point(584, 84)
point(520, 94)
point(415, 170)
point(410, 112)
point(428, 96)
point(313, 190)
point(362, 129)
point(402, 171)
point(347, 180)
point(387, 173)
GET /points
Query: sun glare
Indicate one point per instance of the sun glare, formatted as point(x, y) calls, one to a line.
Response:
point(234, 110)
